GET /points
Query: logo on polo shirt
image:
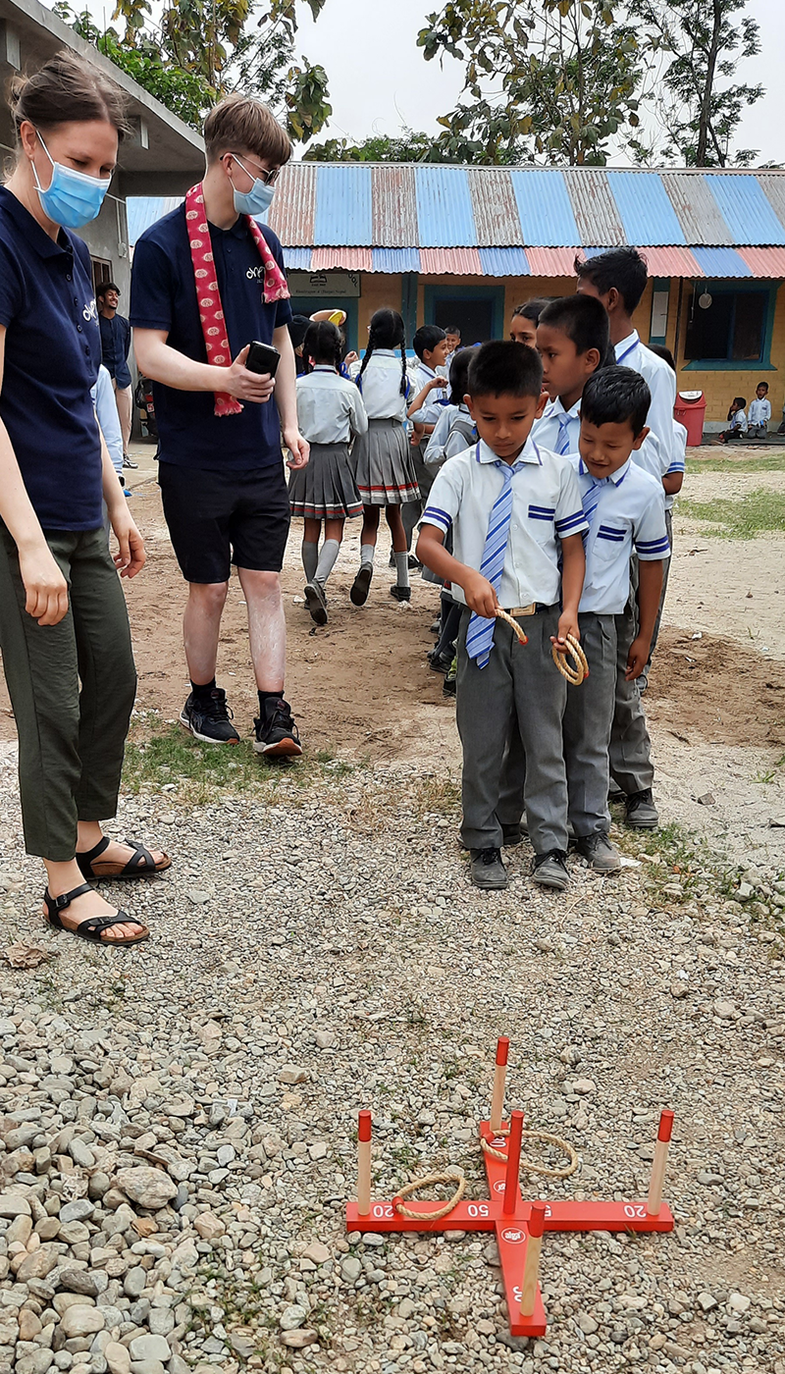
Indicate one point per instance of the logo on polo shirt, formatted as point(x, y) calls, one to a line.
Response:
point(256, 273)
point(90, 311)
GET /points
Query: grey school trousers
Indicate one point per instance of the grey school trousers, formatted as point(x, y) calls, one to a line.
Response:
point(631, 767)
point(519, 690)
point(72, 687)
point(588, 719)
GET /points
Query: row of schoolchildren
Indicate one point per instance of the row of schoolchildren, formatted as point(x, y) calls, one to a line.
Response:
point(520, 508)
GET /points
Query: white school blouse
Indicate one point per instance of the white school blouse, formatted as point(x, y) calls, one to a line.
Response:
point(380, 386)
point(662, 385)
point(546, 507)
point(760, 411)
point(429, 413)
point(329, 408)
point(625, 512)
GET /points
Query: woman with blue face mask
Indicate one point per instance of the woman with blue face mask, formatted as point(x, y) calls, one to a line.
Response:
point(64, 630)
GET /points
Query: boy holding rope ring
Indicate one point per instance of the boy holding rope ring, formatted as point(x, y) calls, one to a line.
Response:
point(514, 510)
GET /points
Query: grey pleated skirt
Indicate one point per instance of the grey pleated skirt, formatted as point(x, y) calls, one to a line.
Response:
point(383, 465)
point(325, 489)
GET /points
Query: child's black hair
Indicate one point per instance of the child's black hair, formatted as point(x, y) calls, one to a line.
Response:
point(760, 384)
point(323, 344)
point(459, 375)
point(426, 339)
point(623, 268)
point(615, 396)
point(452, 329)
point(387, 331)
point(503, 368)
point(664, 353)
point(298, 328)
point(740, 403)
point(532, 309)
point(584, 320)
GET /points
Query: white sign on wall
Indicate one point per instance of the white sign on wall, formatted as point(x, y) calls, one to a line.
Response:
point(329, 285)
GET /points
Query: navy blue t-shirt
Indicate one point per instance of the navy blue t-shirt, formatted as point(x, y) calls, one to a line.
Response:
point(52, 356)
point(115, 343)
point(163, 296)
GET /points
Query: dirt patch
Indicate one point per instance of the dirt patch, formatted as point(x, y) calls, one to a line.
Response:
point(713, 690)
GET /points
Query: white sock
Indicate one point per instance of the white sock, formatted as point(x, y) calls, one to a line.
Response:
point(310, 555)
point(402, 569)
point(327, 559)
point(367, 552)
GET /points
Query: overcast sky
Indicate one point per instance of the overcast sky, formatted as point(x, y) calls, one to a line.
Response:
point(380, 82)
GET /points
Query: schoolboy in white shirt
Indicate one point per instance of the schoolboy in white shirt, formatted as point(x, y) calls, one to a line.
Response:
point(759, 413)
point(625, 510)
point(429, 391)
point(514, 511)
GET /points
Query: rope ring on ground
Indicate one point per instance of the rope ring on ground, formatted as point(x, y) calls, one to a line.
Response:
point(576, 674)
point(428, 1181)
point(512, 622)
point(528, 1165)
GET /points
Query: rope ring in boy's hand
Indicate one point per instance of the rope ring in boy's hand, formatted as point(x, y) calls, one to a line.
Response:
point(512, 622)
point(576, 674)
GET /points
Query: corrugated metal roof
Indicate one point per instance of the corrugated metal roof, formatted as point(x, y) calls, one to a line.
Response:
point(504, 262)
point(142, 211)
point(671, 262)
point(697, 210)
point(646, 212)
point(444, 207)
point(721, 262)
point(346, 259)
point(394, 206)
point(293, 212)
point(746, 210)
point(298, 259)
point(552, 262)
point(462, 262)
point(773, 184)
point(343, 204)
point(495, 210)
point(396, 260)
point(595, 210)
point(544, 208)
point(764, 262)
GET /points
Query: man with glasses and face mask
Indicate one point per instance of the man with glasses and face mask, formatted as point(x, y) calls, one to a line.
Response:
point(208, 281)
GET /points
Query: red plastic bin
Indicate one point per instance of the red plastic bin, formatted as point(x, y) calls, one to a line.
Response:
point(690, 411)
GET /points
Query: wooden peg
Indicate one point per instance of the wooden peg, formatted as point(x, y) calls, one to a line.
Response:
point(513, 1164)
point(364, 1164)
point(654, 1202)
point(499, 1080)
point(531, 1267)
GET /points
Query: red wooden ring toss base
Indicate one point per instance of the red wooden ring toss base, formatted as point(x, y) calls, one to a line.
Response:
point(519, 1224)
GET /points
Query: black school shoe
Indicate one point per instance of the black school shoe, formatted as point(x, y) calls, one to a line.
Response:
point(316, 602)
point(487, 869)
point(641, 813)
point(209, 719)
point(359, 591)
point(401, 593)
point(276, 734)
point(550, 870)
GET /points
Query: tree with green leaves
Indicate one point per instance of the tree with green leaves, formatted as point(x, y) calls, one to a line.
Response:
point(407, 147)
point(549, 80)
point(698, 101)
point(197, 51)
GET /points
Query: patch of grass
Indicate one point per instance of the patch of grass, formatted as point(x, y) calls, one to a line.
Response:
point(775, 463)
point(756, 512)
point(194, 773)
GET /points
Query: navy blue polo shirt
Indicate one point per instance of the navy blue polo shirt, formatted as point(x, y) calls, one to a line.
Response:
point(52, 356)
point(115, 343)
point(163, 296)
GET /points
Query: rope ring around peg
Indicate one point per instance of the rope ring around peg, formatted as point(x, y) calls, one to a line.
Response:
point(528, 1165)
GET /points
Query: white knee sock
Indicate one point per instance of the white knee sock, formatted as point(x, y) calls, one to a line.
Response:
point(367, 552)
point(402, 569)
point(327, 559)
point(310, 555)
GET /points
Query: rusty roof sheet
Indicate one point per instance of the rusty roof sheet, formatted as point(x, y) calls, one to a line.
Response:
point(495, 208)
point(293, 212)
point(596, 213)
point(698, 212)
point(394, 199)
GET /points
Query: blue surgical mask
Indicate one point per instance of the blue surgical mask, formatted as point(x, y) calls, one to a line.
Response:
point(71, 198)
point(255, 201)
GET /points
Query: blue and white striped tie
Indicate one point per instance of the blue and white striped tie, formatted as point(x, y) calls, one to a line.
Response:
point(591, 501)
point(563, 437)
point(479, 635)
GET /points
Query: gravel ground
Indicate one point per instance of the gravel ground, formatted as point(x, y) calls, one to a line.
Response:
point(177, 1127)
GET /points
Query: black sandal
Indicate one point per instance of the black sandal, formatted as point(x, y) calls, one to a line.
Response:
point(95, 925)
point(140, 865)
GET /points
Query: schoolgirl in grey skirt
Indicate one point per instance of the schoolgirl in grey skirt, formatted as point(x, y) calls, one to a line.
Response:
point(330, 412)
point(383, 464)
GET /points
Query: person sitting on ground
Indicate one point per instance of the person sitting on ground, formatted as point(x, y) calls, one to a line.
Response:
point(523, 325)
point(515, 513)
point(330, 412)
point(760, 413)
point(737, 420)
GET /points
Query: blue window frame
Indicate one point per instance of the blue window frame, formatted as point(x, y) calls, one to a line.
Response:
point(734, 333)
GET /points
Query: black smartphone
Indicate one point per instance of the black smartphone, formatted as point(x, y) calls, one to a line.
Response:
point(262, 358)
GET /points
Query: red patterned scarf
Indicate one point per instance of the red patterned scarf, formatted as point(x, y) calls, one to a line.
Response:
point(210, 308)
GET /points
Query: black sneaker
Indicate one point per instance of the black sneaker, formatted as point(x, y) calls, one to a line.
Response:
point(487, 869)
point(209, 719)
point(316, 602)
point(441, 663)
point(361, 584)
point(277, 735)
point(641, 811)
point(401, 593)
point(550, 870)
point(599, 853)
point(128, 462)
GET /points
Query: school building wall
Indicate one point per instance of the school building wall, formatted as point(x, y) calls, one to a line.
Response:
point(718, 383)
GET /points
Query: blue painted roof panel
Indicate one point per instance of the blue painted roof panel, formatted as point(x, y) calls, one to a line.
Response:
point(544, 208)
point(646, 211)
point(343, 205)
point(746, 209)
point(297, 259)
point(395, 259)
point(721, 262)
point(444, 207)
point(504, 262)
point(142, 211)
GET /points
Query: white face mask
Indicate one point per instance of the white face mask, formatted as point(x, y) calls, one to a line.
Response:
point(255, 201)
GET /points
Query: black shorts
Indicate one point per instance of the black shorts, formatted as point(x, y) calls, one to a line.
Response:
point(219, 518)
